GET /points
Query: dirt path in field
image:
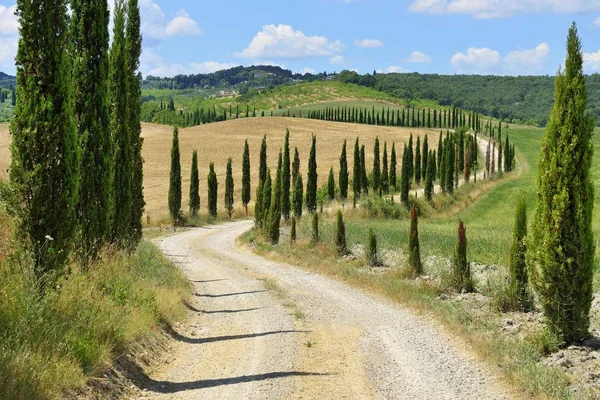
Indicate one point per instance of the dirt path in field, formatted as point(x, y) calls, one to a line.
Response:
point(264, 330)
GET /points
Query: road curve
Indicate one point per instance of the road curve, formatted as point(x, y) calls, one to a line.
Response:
point(307, 336)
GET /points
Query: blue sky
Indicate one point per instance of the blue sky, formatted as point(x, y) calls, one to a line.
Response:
point(504, 37)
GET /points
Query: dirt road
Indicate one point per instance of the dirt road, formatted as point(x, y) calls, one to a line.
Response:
point(263, 330)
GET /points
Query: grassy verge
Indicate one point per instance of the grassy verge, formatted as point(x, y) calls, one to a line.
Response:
point(50, 346)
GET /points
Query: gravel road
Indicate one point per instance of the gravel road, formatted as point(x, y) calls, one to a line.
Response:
point(264, 330)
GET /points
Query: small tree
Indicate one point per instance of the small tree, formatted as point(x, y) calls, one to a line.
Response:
point(340, 239)
point(212, 191)
point(293, 231)
point(429, 177)
point(194, 202)
point(229, 189)
point(372, 259)
point(298, 197)
point(275, 210)
point(413, 245)
point(175, 180)
point(315, 228)
point(463, 282)
point(343, 175)
point(246, 177)
point(519, 282)
point(331, 185)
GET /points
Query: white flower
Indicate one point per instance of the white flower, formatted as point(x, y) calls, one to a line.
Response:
point(48, 237)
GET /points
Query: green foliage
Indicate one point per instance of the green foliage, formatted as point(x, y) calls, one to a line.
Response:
point(410, 160)
point(298, 197)
point(414, 252)
point(295, 166)
point(382, 207)
point(246, 177)
point(212, 190)
point(461, 269)
point(315, 228)
point(285, 193)
point(343, 175)
point(364, 181)
point(520, 297)
point(356, 171)
point(393, 180)
point(45, 158)
point(311, 184)
point(274, 218)
point(418, 161)
point(376, 174)
point(372, 258)
point(385, 178)
point(340, 237)
point(258, 206)
point(229, 200)
point(425, 159)
point(405, 177)
point(331, 185)
point(194, 202)
point(293, 231)
point(262, 167)
point(266, 200)
point(175, 180)
point(89, 31)
point(429, 176)
point(562, 246)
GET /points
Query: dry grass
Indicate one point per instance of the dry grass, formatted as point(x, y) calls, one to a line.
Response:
point(216, 142)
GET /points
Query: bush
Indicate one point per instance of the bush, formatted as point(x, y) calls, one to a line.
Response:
point(372, 258)
point(463, 281)
point(315, 228)
point(340, 239)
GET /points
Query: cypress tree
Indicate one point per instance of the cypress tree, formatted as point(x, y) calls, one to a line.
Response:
point(429, 178)
point(275, 209)
point(89, 31)
point(405, 177)
point(121, 138)
point(463, 282)
point(194, 202)
point(298, 196)
point(258, 206)
point(376, 175)
point(440, 151)
point(413, 246)
point(285, 178)
point(212, 191)
point(133, 49)
point(372, 249)
point(562, 246)
point(467, 166)
point(410, 159)
point(384, 170)
point(315, 228)
point(229, 200)
point(356, 172)
point(500, 147)
point(311, 184)
point(418, 161)
point(364, 180)
point(424, 158)
point(331, 185)
point(266, 201)
point(393, 168)
point(45, 159)
point(519, 280)
point(246, 177)
point(295, 166)
point(343, 175)
point(175, 181)
point(340, 238)
point(450, 166)
point(293, 231)
point(262, 167)
point(460, 154)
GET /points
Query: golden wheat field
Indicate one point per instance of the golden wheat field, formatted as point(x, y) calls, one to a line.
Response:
point(216, 142)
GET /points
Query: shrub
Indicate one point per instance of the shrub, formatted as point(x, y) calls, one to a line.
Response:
point(463, 281)
point(293, 231)
point(372, 258)
point(413, 247)
point(340, 239)
point(519, 282)
point(315, 228)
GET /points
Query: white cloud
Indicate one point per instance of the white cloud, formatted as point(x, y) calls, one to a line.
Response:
point(396, 70)
point(307, 70)
point(8, 50)
point(282, 41)
point(596, 22)
point(355, 70)
point(591, 62)
point(368, 43)
point(170, 70)
point(527, 60)
point(503, 8)
point(9, 24)
point(476, 60)
point(336, 60)
point(485, 60)
point(183, 25)
point(416, 57)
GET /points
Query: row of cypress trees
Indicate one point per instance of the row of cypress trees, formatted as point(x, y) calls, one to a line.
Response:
point(76, 149)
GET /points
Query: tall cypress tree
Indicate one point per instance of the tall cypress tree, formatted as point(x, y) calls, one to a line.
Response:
point(410, 159)
point(393, 168)
point(562, 246)
point(364, 180)
point(429, 178)
point(463, 281)
point(384, 184)
point(246, 177)
point(229, 200)
point(414, 252)
point(298, 196)
point(212, 190)
point(343, 174)
point(450, 165)
point(311, 184)
point(376, 174)
point(285, 178)
point(356, 172)
point(262, 167)
point(425, 158)
point(331, 185)
point(133, 50)
point(45, 161)
point(194, 202)
point(121, 138)
point(519, 279)
point(500, 146)
point(89, 32)
point(295, 166)
point(340, 237)
point(274, 219)
point(405, 177)
point(175, 180)
point(418, 161)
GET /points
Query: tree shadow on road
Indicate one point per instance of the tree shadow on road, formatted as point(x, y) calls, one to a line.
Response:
point(177, 336)
point(208, 281)
point(194, 309)
point(229, 294)
point(175, 387)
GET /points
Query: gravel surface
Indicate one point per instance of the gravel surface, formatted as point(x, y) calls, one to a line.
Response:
point(307, 336)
